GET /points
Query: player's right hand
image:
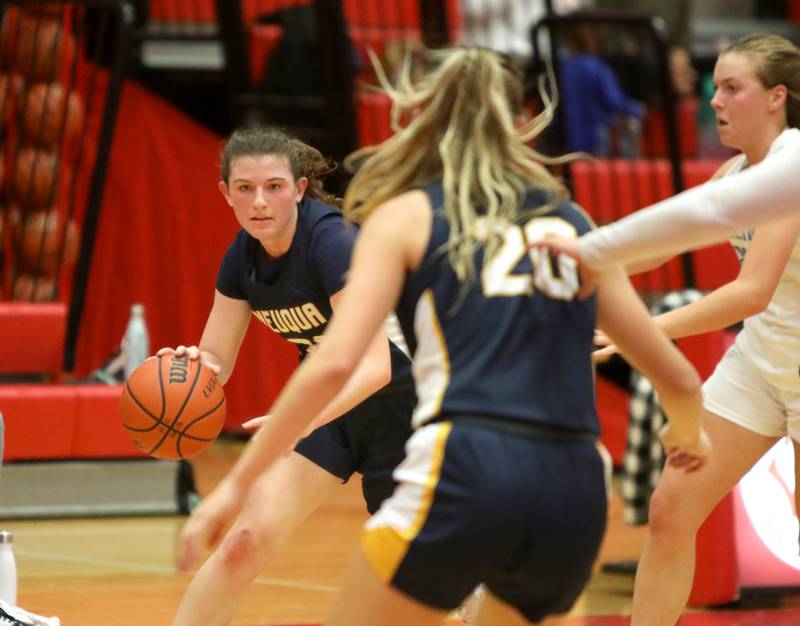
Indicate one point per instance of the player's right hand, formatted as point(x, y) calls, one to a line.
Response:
point(193, 352)
point(209, 522)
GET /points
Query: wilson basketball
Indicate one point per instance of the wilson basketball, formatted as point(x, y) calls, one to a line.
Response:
point(49, 243)
point(172, 407)
point(51, 112)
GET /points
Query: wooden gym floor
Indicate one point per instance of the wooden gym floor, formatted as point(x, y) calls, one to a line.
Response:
point(95, 572)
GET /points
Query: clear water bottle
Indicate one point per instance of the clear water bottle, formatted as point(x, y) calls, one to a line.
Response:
point(8, 569)
point(136, 342)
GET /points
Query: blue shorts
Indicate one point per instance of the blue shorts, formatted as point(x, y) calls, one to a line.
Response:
point(370, 439)
point(522, 514)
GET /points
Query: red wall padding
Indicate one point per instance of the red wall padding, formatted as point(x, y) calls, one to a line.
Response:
point(611, 189)
point(31, 337)
point(63, 422)
point(163, 230)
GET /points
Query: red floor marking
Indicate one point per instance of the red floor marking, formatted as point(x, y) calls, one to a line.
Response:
point(717, 618)
point(790, 617)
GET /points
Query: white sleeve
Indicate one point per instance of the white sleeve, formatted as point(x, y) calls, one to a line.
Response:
point(702, 215)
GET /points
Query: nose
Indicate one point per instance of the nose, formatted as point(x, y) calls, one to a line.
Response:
point(716, 104)
point(259, 200)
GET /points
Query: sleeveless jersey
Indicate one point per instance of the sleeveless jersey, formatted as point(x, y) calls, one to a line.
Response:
point(513, 343)
point(291, 294)
point(771, 339)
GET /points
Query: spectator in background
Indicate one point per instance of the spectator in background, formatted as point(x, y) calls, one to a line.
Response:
point(505, 25)
point(676, 15)
point(593, 100)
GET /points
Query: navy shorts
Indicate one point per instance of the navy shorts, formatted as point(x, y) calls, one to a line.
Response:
point(474, 504)
point(370, 439)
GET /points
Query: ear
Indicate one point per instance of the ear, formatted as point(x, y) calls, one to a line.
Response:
point(301, 185)
point(223, 189)
point(778, 98)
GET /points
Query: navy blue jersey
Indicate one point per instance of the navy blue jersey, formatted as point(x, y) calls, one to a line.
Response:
point(514, 343)
point(291, 294)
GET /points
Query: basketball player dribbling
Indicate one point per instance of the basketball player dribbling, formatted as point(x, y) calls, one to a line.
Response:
point(286, 267)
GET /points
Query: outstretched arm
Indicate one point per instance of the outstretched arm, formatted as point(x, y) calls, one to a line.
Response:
point(623, 317)
point(701, 216)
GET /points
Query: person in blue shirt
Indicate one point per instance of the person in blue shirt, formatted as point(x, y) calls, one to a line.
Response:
point(592, 99)
point(286, 268)
point(502, 482)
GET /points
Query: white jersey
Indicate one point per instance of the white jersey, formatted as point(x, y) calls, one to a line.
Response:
point(771, 339)
point(703, 215)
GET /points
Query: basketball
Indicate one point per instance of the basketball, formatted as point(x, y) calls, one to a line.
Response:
point(35, 177)
point(51, 111)
point(48, 242)
point(42, 46)
point(30, 288)
point(172, 407)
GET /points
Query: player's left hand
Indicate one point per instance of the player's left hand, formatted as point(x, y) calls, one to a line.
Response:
point(209, 522)
point(686, 452)
point(606, 348)
point(257, 422)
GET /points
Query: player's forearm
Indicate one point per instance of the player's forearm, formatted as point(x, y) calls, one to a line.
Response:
point(724, 307)
point(700, 216)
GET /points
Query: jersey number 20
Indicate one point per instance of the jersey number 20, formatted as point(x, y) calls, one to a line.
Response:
point(497, 277)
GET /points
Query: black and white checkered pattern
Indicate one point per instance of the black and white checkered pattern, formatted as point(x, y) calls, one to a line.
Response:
point(15, 616)
point(644, 455)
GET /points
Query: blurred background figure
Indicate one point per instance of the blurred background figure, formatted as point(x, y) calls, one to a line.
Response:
point(593, 101)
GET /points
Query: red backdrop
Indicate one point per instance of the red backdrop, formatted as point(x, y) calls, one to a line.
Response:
point(163, 230)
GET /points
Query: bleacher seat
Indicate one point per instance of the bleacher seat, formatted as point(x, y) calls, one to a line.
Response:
point(51, 422)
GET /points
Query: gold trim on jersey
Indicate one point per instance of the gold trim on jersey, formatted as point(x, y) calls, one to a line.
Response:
point(388, 535)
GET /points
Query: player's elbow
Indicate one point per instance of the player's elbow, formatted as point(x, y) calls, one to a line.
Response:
point(684, 382)
point(756, 301)
point(336, 370)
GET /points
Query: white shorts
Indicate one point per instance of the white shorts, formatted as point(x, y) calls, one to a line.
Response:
point(737, 392)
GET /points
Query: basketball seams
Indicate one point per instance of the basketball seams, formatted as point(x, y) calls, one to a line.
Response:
point(133, 397)
point(183, 432)
point(163, 391)
point(170, 427)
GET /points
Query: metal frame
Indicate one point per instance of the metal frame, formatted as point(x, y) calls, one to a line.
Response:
point(123, 15)
point(656, 29)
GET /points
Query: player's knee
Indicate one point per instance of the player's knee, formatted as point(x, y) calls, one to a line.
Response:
point(245, 547)
point(669, 515)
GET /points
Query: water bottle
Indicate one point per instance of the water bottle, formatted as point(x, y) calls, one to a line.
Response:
point(8, 569)
point(136, 342)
